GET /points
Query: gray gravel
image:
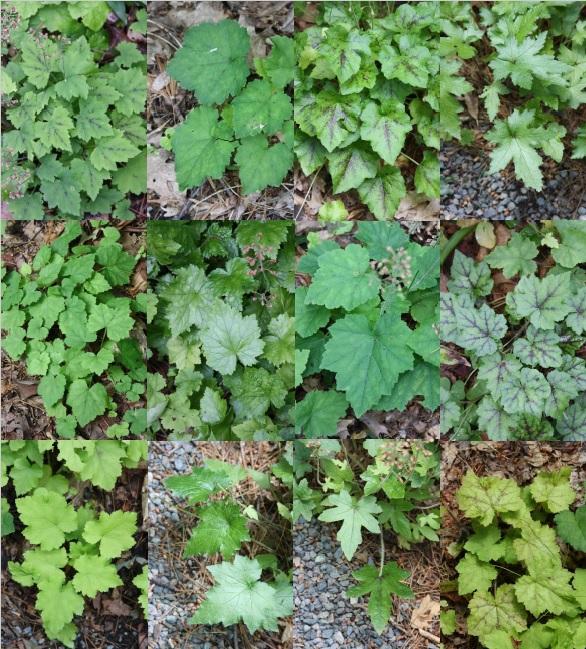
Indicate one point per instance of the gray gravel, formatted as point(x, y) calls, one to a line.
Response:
point(172, 578)
point(324, 616)
point(469, 191)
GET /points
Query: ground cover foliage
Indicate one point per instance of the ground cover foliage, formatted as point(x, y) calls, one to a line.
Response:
point(528, 62)
point(512, 324)
point(252, 579)
point(74, 315)
point(367, 99)
point(377, 295)
point(388, 488)
point(517, 578)
point(65, 546)
point(240, 120)
point(74, 87)
point(221, 330)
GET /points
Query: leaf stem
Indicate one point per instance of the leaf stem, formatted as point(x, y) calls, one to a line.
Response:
point(382, 554)
point(453, 241)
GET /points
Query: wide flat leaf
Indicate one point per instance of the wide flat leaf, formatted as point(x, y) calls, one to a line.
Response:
point(427, 175)
point(212, 61)
point(259, 108)
point(51, 389)
point(94, 575)
point(571, 527)
point(522, 61)
point(422, 380)
point(367, 357)
point(40, 568)
point(111, 150)
point(344, 279)
point(200, 484)
point(189, 298)
point(280, 341)
point(309, 318)
point(494, 420)
point(576, 318)
point(571, 425)
point(262, 165)
point(501, 611)
point(47, 517)
point(540, 347)
point(279, 66)
point(333, 118)
point(253, 391)
point(543, 301)
point(318, 414)
point(484, 543)
point(548, 590)
point(571, 250)
point(221, 529)
point(76, 63)
point(386, 128)
point(516, 139)
point(87, 403)
point(301, 358)
point(56, 129)
point(381, 588)
point(252, 601)
point(115, 320)
point(58, 604)
point(229, 337)
point(563, 390)
point(114, 533)
point(350, 167)
point(483, 498)
point(480, 330)
point(203, 147)
point(212, 407)
point(474, 575)
point(355, 513)
point(525, 392)
point(537, 547)
point(379, 237)
point(553, 489)
point(516, 257)
point(384, 192)
point(468, 276)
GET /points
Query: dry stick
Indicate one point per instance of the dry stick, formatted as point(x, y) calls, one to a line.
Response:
point(310, 188)
point(429, 636)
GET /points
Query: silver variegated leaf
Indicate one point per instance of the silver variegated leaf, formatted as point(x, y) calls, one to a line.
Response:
point(480, 330)
point(563, 390)
point(540, 348)
point(525, 392)
point(469, 276)
point(572, 424)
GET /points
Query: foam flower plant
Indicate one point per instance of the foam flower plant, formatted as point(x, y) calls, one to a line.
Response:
point(372, 488)
point(76, 141)
point(367, 100)
point(537, 52)
point(242, 114)
point(241, 591)
point(223, 334)
point(71, 548)
point(524, 348)
point(67, 321)
point(378, 298)
point(521, 589)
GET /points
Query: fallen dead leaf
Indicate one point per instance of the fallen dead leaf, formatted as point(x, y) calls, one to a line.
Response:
point(425, 614)
point(162, 180)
